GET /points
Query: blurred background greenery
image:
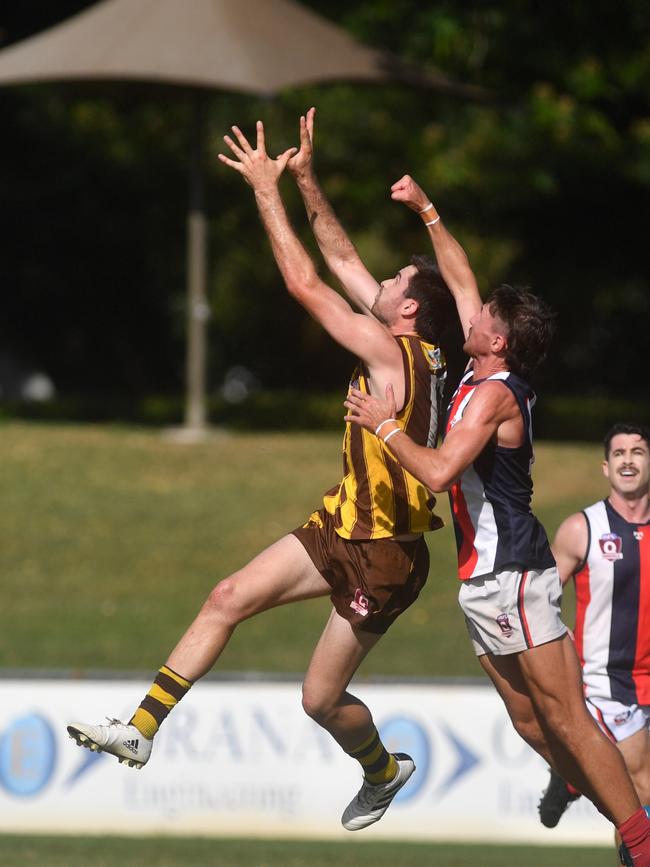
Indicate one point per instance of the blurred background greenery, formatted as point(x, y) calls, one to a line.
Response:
point(545, 178)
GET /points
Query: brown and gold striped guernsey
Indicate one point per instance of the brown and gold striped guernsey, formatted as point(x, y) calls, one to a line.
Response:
point(378, 499)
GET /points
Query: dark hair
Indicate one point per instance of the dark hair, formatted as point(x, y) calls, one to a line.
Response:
point(530, 325)
point(624, 428)
point(436, 306)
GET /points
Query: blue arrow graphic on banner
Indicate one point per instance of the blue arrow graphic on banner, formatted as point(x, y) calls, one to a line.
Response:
point(465, 761)
point(87, 762)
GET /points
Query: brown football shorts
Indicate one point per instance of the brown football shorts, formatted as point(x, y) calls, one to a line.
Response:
point(372, 581)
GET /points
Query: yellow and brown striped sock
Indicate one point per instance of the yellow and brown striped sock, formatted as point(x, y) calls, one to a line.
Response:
point(378, 764)
point(166, 691)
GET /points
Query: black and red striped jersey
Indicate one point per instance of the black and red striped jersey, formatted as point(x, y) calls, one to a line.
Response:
point(612, 630)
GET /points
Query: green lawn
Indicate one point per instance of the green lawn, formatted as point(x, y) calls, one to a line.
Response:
point(112, 537)
point(162, 852)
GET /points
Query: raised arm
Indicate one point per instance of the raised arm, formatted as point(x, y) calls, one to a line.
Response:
point(491, 405)
point(362, 335)
point(338, 250)
point(452, 259)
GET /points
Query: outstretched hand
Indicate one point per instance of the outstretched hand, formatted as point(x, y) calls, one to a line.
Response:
point(301, 161)
point(367, 411)
point(408, 191)
point(256, 167)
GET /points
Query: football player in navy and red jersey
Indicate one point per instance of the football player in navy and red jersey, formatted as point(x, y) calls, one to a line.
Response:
point(510, 591)
point(606, 550)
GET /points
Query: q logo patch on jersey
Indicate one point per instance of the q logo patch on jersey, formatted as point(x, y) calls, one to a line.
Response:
point(611, 546)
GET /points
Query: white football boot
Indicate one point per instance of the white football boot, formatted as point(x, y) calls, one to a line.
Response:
point(372, 801)
point(123, 741)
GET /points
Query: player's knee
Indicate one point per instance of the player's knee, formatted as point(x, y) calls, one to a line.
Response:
point(563, 727)
point(528, 729)
point(315, 704)
point(224, 602)
point(560, 722)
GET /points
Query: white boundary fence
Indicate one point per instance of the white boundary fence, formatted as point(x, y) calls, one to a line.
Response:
point(242, 759)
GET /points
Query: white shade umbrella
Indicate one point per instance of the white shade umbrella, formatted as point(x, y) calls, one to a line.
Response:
point(253, 46)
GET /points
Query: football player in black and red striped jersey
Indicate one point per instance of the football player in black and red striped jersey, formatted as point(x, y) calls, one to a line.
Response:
point(605, 549)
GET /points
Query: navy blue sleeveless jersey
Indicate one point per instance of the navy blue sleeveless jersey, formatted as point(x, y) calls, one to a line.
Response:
point(494, 526)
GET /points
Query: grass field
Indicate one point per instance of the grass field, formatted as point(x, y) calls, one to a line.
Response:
point(113, 537)
point(109, 851)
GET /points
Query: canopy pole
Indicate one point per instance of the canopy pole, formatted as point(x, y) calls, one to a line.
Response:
point(198, 310)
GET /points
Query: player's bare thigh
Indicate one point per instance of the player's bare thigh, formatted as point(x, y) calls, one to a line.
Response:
point(280, 574)
point(505, 674)
point(552, 674)
point(636, 752)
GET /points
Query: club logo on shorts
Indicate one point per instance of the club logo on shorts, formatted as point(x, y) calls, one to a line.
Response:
point(611, 546)
point(622, 718)
point(638, 535)
point(360, 603)
point(504, 625)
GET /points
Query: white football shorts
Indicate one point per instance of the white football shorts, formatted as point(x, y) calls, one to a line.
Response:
point(511, 611)
point(619, 721)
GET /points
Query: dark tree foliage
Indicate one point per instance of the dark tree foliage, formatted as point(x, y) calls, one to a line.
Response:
point(545, 179)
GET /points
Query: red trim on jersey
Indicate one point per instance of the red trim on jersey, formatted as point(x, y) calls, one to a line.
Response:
point(463, 390)
point(583, 598)
point(641, 665)
point(467, 556)
point(522, 610)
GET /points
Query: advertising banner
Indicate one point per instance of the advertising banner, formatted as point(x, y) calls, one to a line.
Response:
point(243, 759)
